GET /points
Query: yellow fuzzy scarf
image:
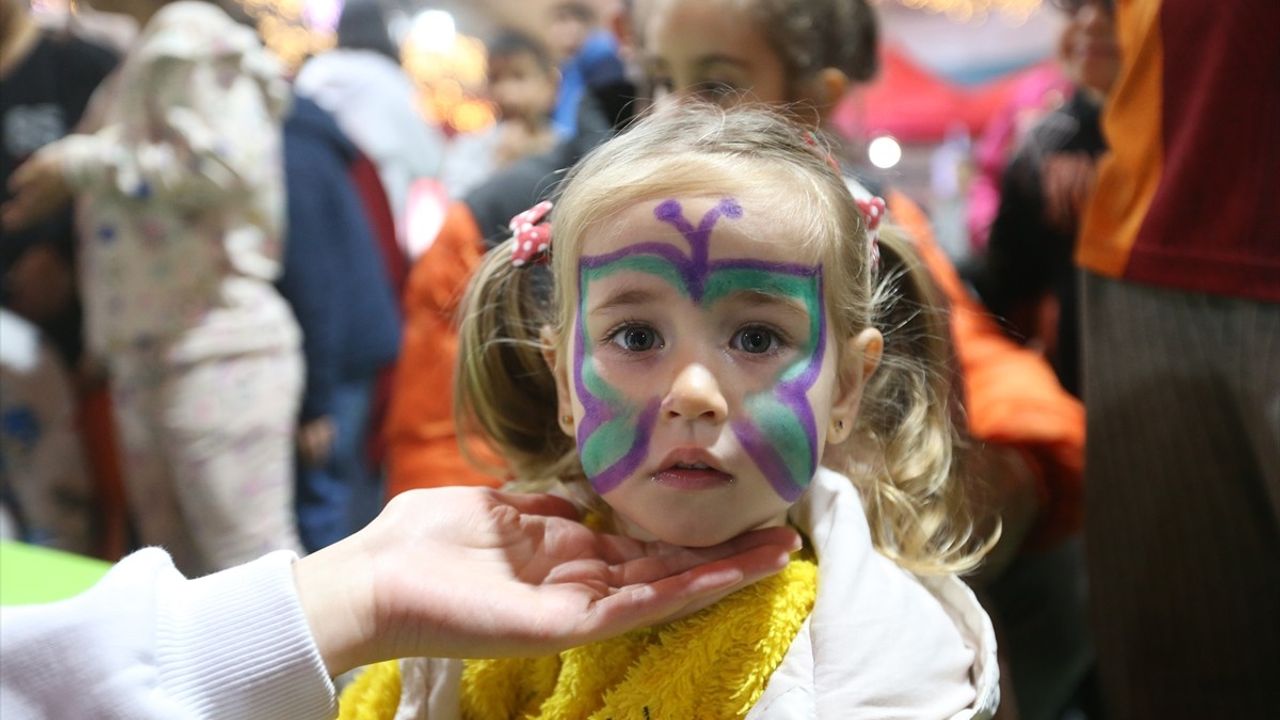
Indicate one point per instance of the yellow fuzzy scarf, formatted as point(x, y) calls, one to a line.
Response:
point(714, 664)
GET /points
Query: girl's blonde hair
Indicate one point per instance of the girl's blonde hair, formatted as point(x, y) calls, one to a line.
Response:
point(506, 393)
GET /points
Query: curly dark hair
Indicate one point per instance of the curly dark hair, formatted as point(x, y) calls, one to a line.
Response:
point(810, 35)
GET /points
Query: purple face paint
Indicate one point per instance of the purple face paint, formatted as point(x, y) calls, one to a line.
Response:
point(778, 432)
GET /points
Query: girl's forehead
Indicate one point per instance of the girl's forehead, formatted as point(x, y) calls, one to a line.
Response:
point(743, 224)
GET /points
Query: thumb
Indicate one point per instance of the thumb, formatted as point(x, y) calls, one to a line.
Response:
point(13, 214)
point(647, 604)
point(22, 175)
point(539, 504)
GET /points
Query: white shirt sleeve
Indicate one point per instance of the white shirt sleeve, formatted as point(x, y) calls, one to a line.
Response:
point(145, 642)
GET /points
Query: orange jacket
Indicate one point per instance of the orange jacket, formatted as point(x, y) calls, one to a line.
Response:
point(422, 447)
point(1180, 200)
point(1011, 394)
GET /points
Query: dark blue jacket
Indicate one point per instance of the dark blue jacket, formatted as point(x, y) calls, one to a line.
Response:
point(333, 272)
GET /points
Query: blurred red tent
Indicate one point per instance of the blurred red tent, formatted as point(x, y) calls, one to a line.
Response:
point(915, 105)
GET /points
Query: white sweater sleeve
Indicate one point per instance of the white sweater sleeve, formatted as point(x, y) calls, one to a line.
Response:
point(145, 642)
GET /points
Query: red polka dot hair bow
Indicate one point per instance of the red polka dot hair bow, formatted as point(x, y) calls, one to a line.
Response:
point(811, 139)
point(531, 236)
point(872, 210)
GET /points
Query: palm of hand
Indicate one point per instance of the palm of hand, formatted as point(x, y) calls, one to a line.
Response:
point(471, 572)
point(39, 190)
point(530, 583)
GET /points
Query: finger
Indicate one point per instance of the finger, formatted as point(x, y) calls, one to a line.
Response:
point(19, 177)
point(1052, 178)
point(13, 215)
point(617, 549)
point(591, 571)
point(670, 560)
point(23, 210)
point(665, 560)
point(784, 536)
point(648, 604)
point(1055, 204)
point(1084, 184)
point(538, 504)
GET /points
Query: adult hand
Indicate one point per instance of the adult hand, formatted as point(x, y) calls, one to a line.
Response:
point(1067, 181)
point(474, 572)
point(40, 284)
point(315, 440)
point(39, 190)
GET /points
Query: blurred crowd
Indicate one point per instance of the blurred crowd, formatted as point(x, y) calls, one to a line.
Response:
point(222, 333)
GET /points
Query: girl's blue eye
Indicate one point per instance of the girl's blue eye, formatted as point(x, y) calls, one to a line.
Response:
point(755, 340)
point(636, 338)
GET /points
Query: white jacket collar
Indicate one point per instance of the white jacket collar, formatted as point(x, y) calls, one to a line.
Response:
point(881, 642)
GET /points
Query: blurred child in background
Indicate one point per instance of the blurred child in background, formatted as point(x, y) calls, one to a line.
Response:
point(362, 84)
point(1029, 278)
point(181, 207)
point(584, 47)
point(522, 84)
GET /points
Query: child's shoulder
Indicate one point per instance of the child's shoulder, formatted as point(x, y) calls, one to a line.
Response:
point(880, 636)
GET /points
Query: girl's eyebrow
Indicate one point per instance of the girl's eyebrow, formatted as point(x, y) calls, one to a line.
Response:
point(628, 297)
point(760, 298)
point(625, 297)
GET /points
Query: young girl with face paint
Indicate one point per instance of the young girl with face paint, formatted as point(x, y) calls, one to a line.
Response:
point(1027, 432)
point(804, 55)
point(723, 347)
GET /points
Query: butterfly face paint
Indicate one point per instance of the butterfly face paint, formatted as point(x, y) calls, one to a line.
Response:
point(775, 425)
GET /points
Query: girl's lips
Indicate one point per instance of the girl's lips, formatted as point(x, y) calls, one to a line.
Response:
point(692, 478)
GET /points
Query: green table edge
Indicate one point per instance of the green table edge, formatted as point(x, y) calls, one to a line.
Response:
point(32, 574)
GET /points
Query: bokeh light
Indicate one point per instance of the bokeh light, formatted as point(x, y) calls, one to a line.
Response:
point(295, 29)
point(884, 152)
point(449, 70)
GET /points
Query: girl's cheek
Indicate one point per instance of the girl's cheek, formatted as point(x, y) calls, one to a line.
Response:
point(613, 434)
point(628, 378)
point(753, 377)
point(822, 395)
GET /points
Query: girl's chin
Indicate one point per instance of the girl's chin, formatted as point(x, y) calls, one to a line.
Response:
point(675, 531)
point(693, 532)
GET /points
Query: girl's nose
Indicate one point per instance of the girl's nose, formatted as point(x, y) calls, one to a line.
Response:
point(695, 395)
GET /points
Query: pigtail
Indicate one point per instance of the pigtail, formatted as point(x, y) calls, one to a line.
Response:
point(919, 509)
point(505, 393)
point(906, 455)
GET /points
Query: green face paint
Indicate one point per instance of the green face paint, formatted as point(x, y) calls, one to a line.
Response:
point(778, 432)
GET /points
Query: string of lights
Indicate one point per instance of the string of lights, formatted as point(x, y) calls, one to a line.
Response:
point(973, 9)
point(449, 67)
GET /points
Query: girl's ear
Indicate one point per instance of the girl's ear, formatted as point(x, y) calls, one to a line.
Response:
point(560, 371)
point(827, 87)
point(862, 356)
